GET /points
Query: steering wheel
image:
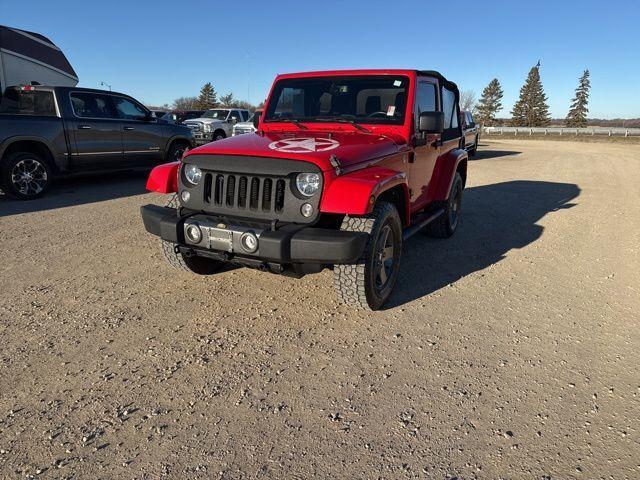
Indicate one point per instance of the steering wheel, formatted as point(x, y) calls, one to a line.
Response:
point(384, 114)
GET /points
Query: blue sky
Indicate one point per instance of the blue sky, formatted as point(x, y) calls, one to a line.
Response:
point(159, 50)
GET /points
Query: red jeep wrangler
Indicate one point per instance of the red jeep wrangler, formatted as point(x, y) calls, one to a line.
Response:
point(344, 166)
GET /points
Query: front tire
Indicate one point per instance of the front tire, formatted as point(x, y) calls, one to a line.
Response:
point(369, 282)
point(219, 135)
point(195, 264)
point(25, 175)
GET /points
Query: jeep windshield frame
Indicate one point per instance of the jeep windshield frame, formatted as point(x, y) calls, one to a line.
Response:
point(358, 99)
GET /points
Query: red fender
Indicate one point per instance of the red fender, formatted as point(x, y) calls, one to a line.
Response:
point(444, 171)
point(356, 193)
point(164, 178)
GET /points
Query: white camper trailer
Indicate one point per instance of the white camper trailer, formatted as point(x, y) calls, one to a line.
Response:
point(30, 58)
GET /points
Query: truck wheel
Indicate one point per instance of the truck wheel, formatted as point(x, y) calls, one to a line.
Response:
point(176, 151)
point(219, 135)
point(445, 225)
point(25, 175)
point(369, 282)
point(199, 265)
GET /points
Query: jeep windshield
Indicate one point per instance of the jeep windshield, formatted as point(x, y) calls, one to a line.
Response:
point(365, 99)
point(217, 114)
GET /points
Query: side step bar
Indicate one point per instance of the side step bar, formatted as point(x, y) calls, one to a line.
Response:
point(420, 222)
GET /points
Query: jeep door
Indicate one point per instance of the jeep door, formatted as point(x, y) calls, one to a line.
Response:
point(96, 132)
point(143, 137)
point(427, 149)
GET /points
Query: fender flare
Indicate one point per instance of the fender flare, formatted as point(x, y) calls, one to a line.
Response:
point(26, 138)
point(356, 193)
point(444, 171)
point(164, 178)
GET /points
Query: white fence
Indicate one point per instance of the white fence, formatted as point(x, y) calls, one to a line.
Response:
point(561, 131)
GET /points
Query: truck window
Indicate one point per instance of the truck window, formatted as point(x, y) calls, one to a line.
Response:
point(365, 99)
point(129, 110)
point(34, 102)
point(91, 105)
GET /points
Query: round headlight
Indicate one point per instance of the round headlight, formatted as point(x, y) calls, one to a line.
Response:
point(193, 174)
point(308, 183)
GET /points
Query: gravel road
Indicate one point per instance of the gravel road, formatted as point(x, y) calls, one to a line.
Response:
point(508, 351)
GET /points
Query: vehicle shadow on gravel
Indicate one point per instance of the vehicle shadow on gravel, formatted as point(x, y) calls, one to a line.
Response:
point(486, 154)
point(68, 192)
point(495, 219)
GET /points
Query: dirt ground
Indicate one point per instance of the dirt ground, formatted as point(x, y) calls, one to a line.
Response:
point(508, 351)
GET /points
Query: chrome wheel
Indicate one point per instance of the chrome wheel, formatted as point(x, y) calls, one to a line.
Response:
point(384, 260)
point(29, 177)
point(219, 136)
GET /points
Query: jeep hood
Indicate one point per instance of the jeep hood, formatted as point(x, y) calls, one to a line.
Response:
point(350, 148)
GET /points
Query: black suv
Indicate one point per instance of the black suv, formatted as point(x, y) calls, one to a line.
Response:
point(51, 131)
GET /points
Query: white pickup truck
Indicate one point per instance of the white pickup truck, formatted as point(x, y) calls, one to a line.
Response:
point(216, 124)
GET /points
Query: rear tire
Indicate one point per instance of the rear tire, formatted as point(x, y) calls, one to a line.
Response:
point(25, 175)
point(369, 282)
point(474, 149)
point(445, 225)
point(198, 265)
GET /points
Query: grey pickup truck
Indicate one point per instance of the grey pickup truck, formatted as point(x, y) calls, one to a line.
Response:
point(47, 132)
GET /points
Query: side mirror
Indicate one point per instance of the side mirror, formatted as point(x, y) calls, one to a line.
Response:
point(234, 120)
point(256, 119)
point(431, 122)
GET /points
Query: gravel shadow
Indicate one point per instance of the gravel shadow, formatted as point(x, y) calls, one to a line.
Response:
point(495, 219)
point(71, 191)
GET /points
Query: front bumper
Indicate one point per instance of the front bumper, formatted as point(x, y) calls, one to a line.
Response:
point(289, 244)
point(202, 138)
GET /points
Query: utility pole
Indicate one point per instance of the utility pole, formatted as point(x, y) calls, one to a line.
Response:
point(105, 85)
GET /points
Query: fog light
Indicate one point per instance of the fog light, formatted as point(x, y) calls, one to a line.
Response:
point(185, 196)
point(306, 209)
point(194, 234)
point(249, 242)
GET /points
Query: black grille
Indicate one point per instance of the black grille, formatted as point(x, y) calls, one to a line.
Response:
point(232, 191)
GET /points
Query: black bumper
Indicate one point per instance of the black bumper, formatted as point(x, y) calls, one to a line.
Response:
point(290, 243)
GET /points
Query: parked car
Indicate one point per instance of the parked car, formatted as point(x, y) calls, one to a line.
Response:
point(216, 124)
point(51, 131)
point(470, 132)
point(344, 167)
point(179, 116)
point(250, 126)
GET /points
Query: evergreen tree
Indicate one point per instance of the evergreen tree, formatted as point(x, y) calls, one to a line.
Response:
point(227, 100)
point(208, 97)
point(490, 103)
point(577, 116)
point(531, 109)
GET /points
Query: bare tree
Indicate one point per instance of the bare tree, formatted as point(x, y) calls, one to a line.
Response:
point(468, 101)
point(185, 103)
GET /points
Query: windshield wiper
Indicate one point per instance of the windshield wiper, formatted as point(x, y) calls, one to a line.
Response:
point(288, 120)
point(341, 119)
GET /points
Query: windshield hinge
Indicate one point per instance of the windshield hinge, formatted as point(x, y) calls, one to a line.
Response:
point(335, 163)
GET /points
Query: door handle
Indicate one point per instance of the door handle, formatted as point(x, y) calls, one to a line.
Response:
point(84, 127)
point(128, 128)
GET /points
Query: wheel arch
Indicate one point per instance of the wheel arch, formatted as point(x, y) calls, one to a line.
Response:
point(172, 141)
point(35, 145)
point(445, 170)
point(357, 193)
